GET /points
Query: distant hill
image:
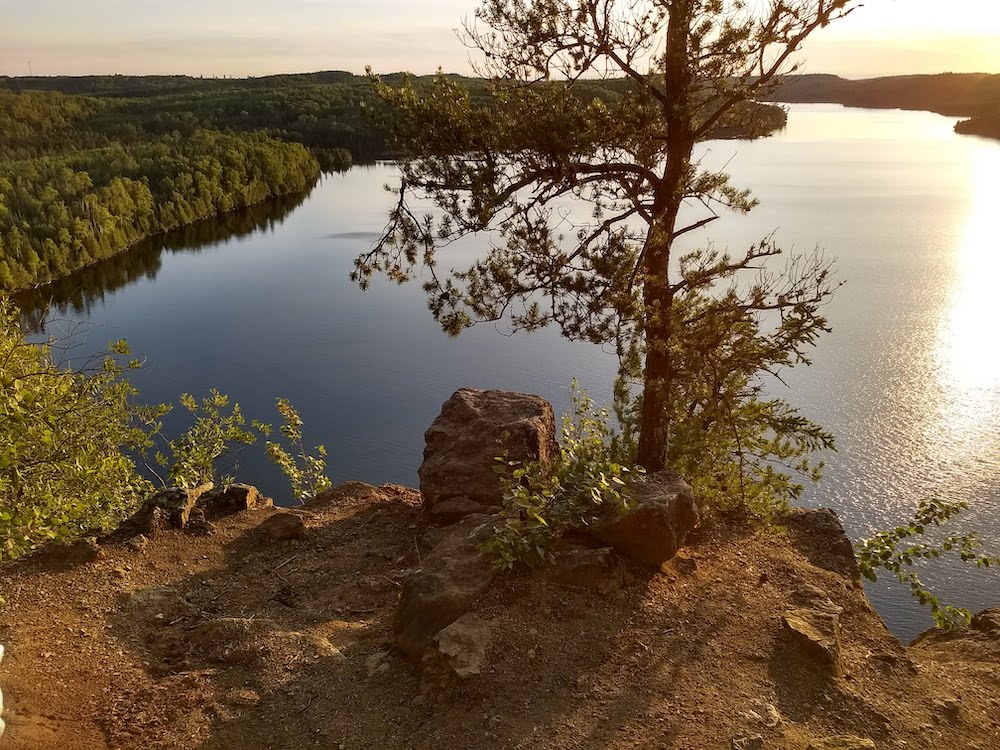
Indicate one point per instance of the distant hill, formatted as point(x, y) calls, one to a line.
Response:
point(972, 95)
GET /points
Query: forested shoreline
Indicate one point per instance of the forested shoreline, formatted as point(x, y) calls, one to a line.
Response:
point(972, 95)
point(61, 213)
point(92, 165)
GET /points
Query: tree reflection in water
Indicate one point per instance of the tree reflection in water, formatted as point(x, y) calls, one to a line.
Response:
point(78, 292)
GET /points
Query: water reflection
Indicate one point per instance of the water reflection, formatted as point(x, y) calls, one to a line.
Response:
point(79, 292)
point(909, 381)
point(967, 353)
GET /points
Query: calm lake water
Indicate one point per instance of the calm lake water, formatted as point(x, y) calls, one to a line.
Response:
point(260, 305)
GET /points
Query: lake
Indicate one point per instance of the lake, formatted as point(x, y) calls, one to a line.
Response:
point(259, 305)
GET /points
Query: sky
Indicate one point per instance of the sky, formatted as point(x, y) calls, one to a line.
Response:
point(259, 37)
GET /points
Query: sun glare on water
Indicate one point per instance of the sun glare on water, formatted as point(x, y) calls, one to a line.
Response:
point(968, 341)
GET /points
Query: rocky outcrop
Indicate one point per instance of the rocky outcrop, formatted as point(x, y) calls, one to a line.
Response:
point(818, 534)
point(451, 577)
point(189, 509)
point(472, 430)
point(816, 626)
point(662, 511)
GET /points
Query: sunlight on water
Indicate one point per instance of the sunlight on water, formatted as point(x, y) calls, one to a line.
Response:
point(908, 382)
point(967, 352)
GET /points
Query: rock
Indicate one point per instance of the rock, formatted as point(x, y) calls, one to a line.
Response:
point(462, 444)
point(454, 509)
point(459, 649)
point(198, 524)
point(819, 535)
point(763, 713)
point(85, 551)
point(168, 508)
point(451, 577)
point(138, 544)
point(232, 498)
point(594, 569)
point(988, 623)
point(755, 742)
point(950, 709)
point(177, 503)
point(841, 742)
point(814, 597)
point(376, 663)
point(434, 535)
point(818, 631)
point(284, 525)
point(651, 531)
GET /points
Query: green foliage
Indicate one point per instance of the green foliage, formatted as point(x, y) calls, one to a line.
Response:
point(898, 552)
point(306, 473)
point(217, 428)
point(64, 434)
point(744, 452)
point(697, 333)
point(61, 213)
point(590, 474)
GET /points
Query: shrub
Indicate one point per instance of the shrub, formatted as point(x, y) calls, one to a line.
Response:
point(217, 428)
point(306, 473)
point(896, 552)
point(591, 471)
point(65, 438)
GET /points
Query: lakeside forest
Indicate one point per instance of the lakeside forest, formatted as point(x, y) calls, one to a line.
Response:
point(89, 166)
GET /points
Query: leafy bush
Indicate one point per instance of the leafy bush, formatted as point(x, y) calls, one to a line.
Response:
point(195, 454)
point(591, 472)
point(895, 551)
point(306, 473)
point(64, 441)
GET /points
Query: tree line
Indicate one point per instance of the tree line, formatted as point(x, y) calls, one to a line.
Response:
point(61, 213)
point(91, 165)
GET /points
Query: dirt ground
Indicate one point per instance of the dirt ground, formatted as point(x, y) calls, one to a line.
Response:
point(233, 641)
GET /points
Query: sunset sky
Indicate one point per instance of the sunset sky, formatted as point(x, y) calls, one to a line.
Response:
point(256, 37)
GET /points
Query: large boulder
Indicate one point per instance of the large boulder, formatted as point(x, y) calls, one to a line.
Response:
point(662, 511)
point(451, 577)
point(454, 509)
point(473, 428)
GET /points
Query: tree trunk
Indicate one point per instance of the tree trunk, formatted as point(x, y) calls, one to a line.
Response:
point(658, 371)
